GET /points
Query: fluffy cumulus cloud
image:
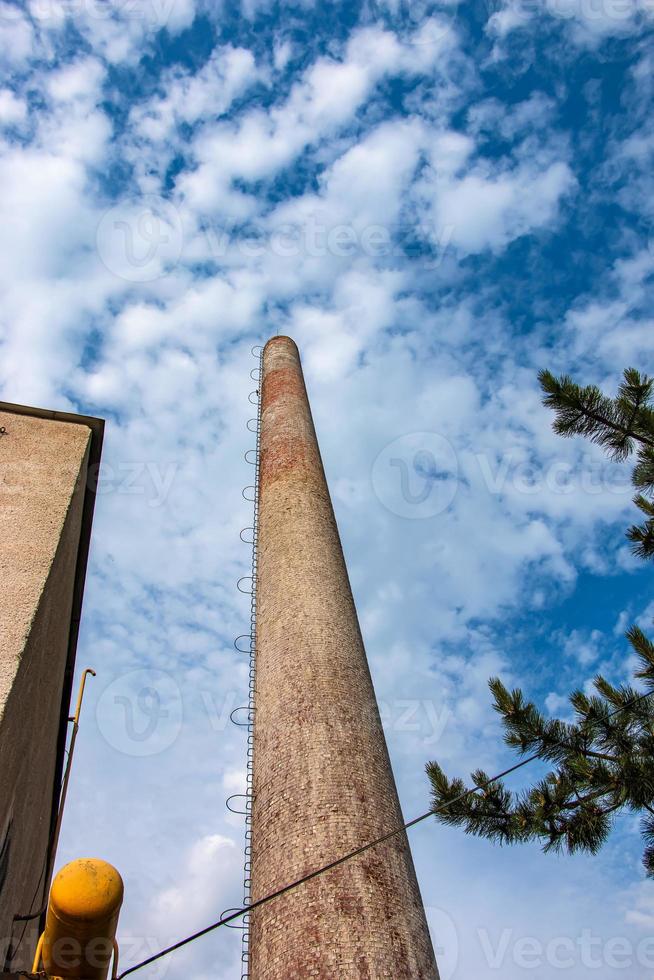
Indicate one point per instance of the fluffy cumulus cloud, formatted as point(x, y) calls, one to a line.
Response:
point(435, 200)
point(588, 21)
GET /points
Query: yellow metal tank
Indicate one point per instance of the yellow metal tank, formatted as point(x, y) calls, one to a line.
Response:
point(81, 922)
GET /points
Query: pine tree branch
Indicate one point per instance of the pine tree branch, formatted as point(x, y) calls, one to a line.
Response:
point(615, 427)
point(611, 809)
point(585, 800)
point(564, 396)
point(599, 755)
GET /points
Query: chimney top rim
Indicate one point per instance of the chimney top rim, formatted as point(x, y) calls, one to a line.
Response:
point(287, 341)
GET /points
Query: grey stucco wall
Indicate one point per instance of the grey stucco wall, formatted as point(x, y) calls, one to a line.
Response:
point(43, 468)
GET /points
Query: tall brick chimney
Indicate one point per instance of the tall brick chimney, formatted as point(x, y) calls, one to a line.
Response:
point(322, 783)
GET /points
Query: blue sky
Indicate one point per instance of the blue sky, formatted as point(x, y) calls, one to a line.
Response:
point(435, 200)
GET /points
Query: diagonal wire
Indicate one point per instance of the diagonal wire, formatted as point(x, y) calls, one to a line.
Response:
point(359, 850)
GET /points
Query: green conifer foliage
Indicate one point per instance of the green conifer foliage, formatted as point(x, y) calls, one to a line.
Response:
point(622, 426)
point(602, 761)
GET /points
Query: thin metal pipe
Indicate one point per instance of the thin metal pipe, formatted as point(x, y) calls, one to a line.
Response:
point(69, 765)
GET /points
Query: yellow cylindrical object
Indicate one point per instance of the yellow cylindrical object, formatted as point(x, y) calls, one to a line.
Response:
point(81, 922)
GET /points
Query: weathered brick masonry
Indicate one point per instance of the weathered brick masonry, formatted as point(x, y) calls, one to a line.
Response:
point(322, 778)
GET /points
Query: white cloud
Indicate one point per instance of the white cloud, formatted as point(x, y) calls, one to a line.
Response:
point(557, 705)
point(596, 20)
point(323, 101)
point(487, 209)
point(511, 16)
point(612, 325)
point(210, 863)
point(584, 647)
point(43, 191)
point(282, 54)
point(13, 110)
point(77, 80)
point(589, 22)
point(187, 98)
point(16, 37)
point(175, 15)
point(115, 30)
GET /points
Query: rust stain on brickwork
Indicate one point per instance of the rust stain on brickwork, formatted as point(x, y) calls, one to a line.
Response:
point(323, 784)
point(283, 455)
point(288, 444)
point(281, 383)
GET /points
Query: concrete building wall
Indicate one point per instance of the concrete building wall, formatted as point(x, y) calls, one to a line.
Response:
point(43, 473)
point(323, 783)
